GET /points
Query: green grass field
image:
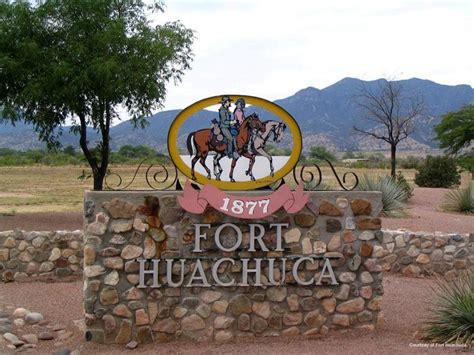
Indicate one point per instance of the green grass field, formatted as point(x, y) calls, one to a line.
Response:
point(56, 189)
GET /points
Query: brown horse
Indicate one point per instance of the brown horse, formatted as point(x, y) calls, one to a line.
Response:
point(201, 141)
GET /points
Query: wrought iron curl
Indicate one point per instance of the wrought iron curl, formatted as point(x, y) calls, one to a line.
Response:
point(118, 186)
point(153, 177)
point(356, 178)
point(311, 176)
point(341, 183)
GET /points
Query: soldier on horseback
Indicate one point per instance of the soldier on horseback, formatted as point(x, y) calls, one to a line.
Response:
point(227, 123)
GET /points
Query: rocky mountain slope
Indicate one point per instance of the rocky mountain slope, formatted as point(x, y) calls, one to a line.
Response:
point(325, 116)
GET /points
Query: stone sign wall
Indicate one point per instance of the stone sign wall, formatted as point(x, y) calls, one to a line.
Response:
point(58, 255)
point(424, 253)
point(124, 301)
point(43, 255)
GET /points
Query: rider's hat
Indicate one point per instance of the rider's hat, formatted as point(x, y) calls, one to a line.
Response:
point(225, 98)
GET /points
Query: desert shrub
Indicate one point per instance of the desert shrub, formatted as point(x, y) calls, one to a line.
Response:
point(319, 153)
point(461, 200)
point(404, 184)
point(371, 161)
point(452, 312)
point(394, 195)
point(411, 162)
point(438, 172)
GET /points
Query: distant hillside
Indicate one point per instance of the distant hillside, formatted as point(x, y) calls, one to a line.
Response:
point(325, 116)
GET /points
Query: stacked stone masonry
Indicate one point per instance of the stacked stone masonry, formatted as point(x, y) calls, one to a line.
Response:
point(121, 227)
point(59, 254)
point(28, 256)
point(425, 254)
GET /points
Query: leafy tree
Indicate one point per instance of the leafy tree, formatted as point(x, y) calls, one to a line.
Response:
point(69, 150)
point(393, 113)
point(455, 132)
point(82, 60)
point(317, 153)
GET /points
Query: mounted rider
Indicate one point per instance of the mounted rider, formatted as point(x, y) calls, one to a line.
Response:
point(239, 116)
point(227, 123)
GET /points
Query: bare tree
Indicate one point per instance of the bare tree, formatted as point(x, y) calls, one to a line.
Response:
point(391, 111)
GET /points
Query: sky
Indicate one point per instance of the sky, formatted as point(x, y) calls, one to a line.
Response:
point(273, 48)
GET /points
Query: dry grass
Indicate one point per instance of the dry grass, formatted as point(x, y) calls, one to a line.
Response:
point(56, 189)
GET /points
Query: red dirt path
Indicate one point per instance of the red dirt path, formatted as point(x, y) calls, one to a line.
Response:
point(426, 215)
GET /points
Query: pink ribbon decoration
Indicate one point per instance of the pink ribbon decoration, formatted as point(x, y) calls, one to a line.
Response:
point(245, 207)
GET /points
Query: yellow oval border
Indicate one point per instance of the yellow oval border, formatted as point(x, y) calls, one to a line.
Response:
point(238, 185)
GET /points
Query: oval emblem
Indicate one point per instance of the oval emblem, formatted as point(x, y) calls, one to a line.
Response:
point(234, 142)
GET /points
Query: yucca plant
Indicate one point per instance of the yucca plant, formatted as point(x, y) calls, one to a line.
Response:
point(451, 318)
point(394, 195)
point(461, 200)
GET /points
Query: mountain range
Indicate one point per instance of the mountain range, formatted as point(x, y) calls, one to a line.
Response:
point(325, 116)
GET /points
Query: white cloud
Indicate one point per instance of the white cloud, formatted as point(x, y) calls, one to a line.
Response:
point(274, 48)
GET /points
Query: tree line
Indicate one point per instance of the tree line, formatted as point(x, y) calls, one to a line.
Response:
point(127, 154)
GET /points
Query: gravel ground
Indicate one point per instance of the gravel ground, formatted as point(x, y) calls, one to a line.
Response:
point(404, 305)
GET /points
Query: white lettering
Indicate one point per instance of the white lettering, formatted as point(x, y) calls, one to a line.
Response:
point(327, 267)
point(279, 226)
point(215, 276)
point(169, 273)
point(198, 236)
point(201, 277)
point(217, 237)
point(257, 271)
point(142, 272)
point(257, 238)
point(295, 271)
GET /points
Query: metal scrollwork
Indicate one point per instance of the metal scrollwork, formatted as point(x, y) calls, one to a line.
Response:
point(153, 176)
point(310, 182)
point(313, 180)
point(157, 176)
point(165, 177)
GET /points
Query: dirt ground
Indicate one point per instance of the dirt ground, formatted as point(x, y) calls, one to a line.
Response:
point(423, 209)
point(404, 305)
point(426, 215)
point(42, 221)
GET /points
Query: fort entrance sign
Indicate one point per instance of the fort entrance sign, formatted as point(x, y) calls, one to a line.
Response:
point(239, 252)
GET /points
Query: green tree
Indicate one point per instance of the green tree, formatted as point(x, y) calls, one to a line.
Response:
point(70, 150)
point(80, 61)
point(317, 153)
point(455, 133)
